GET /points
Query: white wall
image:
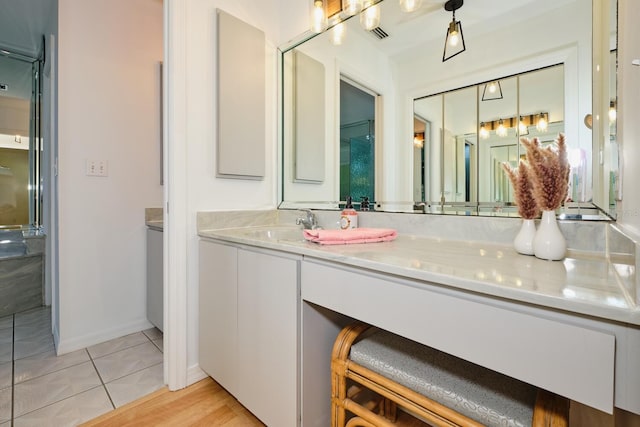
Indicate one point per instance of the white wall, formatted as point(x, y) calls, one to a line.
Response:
point(108, 109)
point(191, 141)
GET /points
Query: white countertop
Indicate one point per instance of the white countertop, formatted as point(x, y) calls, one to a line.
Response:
point(582, 283)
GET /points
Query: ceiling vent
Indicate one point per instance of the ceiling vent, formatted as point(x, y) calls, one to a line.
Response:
point(379, 33)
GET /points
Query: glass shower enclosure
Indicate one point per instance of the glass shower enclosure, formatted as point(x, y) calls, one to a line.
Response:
point(21, 142)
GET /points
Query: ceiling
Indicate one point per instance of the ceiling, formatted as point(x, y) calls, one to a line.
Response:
point(23, 23)
point(22, 26)
point(408, 31)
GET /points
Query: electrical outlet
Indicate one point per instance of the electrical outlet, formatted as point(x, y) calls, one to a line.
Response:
point(97, 168)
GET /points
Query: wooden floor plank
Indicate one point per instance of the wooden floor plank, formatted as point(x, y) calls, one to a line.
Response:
point(204, 403)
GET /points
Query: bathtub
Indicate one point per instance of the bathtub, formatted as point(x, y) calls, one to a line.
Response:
point(21, 270)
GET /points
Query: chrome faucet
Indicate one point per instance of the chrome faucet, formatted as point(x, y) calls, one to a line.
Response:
point(309, 221)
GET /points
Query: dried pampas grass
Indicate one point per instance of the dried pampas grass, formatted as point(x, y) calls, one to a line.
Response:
point(549, 175)
point(522, 189)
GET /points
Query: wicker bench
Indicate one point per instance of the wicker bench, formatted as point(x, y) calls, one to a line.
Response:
point(373, 372)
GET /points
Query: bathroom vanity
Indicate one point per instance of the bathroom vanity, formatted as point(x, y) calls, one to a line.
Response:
point(155, 228)
point(271, 305)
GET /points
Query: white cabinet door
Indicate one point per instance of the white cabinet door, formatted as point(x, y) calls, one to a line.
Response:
point(154, 278)
point(268, 297)
point(218, 313)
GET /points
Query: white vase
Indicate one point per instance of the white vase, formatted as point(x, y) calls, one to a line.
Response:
point(549, 242)
point(523, 243)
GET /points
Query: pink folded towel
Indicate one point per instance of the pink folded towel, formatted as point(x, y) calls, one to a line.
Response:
point(352, 235)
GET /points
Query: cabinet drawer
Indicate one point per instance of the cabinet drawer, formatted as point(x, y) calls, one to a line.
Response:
point(565, 359)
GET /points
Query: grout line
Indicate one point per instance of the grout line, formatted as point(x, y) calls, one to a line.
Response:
point(135, 372)
point(101, 380)
point(91, 359)
point(50, 372)
point(158, 347)
point(123, 348)
point(58, 401)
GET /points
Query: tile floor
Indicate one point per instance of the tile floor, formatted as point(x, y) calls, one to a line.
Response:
point(38, 388)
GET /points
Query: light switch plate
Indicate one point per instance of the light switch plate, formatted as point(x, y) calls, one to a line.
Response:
point(97, 168)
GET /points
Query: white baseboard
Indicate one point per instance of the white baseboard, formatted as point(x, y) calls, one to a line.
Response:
point(77, 343)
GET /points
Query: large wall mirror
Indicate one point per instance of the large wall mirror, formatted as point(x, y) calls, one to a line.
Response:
point(434, 133)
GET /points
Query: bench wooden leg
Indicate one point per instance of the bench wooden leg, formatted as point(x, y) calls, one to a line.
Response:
point(339, 357)
point(389, 409)
point(550, 410)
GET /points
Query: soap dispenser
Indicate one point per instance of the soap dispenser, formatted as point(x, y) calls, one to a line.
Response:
point(349, 217)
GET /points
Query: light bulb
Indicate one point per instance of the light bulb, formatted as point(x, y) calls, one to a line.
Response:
point(370, 17)
point(418, 140)
point(351, 7)
point(337, 33)
point(501, 130)
point(613, 114)
point(542, 124)
point(319, 21)
point(522, 127)
point(454, 38)
point(484, 133)
point(410, 5)
point(492, 87)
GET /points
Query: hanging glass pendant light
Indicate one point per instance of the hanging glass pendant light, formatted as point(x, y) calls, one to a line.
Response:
point(491, 91)
point(370, 17)
point(410, 5)
point(319, 21)
point(352, 7)
point(454, 42)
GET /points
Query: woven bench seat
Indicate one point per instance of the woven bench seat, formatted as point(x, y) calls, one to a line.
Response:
point(438, 388)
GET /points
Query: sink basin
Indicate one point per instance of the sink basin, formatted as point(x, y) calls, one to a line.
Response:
point(274, 233)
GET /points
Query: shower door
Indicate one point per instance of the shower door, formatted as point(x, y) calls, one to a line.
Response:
point(357, 161)
point(20, 140)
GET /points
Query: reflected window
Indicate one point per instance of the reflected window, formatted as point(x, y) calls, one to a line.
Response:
point(357, 142)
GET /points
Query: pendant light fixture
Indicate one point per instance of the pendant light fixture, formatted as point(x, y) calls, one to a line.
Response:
point(352, 7)
point(370, 17)
point(410, 5)
point(454, 42)
point(491, 91)
point(319, 21)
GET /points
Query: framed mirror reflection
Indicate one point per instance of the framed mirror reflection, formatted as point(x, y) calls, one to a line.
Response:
point(439, 130)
